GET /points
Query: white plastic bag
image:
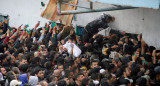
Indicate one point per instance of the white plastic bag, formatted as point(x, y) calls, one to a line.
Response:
point(76, 50)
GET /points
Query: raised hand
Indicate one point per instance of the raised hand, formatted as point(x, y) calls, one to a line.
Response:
point(94, 36)
point(37, 24)
point(71, 32)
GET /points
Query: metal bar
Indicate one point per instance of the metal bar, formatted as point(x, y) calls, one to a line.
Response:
point(95, 10)
point(59, 7)
point(91, 5)
point(75, 5)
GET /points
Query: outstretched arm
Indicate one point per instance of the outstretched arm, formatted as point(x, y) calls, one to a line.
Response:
point(35, 29)
point(5, 23)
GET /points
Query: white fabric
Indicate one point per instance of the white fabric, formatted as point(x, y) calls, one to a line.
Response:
point(33, 80)
point(96, 82)
point(15, 82)
point(105, 31)
point(102, 70)
point(76, 50)
point(113, 53)
point(130, 80)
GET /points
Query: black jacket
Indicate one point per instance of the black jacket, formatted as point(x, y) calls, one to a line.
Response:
point(93, 27)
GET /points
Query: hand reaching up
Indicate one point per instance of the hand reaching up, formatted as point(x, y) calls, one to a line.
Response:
point(37, 24)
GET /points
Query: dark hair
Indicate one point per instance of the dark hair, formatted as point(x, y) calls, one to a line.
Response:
point(111, 67)
point(22, 58)
point(34, 48)
point(104, 84)
point(43, 61)
point(49, 65)
point(61, 83)
point(20, 50)
point(108, 76)
point(61, 78)
point(141, 81)
point(15, 70)
point(35, 60)
point(110, 18)
point(85, 81)
point(77, 75)
point(51, 77)
point(11, 50)
point(99, 38)
point(94, 76)
point(91, 84)
point(94, 70)
point(60, 60)
point(6, 64)
point(24, 67)
point(3, 56)
point(94, 61)
point(36, 70)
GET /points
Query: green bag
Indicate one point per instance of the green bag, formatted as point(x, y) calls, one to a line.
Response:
point(45, 27)
point(53, 25)
point(27, 25)
point(42, 4)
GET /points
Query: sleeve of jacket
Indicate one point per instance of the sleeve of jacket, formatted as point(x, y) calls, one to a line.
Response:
point(54, 40)
point(6, 40)
point(46, 38)
point(5, 28)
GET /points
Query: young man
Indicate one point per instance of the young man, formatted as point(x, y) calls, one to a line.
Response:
point(39, 73)
point(78, 79)
point(3, 72)
point(96, 25)
point(124, 80)
point(94, 64)
point(60, 67)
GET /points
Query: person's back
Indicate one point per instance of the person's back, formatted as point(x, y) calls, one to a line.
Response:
point(23, 78)
point(96, 26)
point(93, 27)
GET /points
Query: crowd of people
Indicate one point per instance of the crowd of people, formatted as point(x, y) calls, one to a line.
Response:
point(54, 55)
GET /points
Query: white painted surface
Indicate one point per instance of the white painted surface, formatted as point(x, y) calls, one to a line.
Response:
point(23, 11)
point(141, 20)
point(135, 3)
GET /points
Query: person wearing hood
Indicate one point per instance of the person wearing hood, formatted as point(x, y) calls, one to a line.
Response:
point(96, 25)
point(33, 80)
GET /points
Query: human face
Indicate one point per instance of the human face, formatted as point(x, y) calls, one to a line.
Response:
point(70, 41)
point(45, 52)
point(85, 73)
point(1, 31)
point(3, 71)
point(94, 65)
point(60, 68)
point(61, 48)
point(108, 21)
point(41, 74)
point(67, 80)
point(80, 77)
point(13, 59)
point(24, 61)
point(62, 41)
point(158, 54)
point(119, 63)
point(71, 74)
point(126, 40)
point(158, 77)
point(128, 71)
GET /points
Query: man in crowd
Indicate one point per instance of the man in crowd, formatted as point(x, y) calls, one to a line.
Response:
point(96, 25)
